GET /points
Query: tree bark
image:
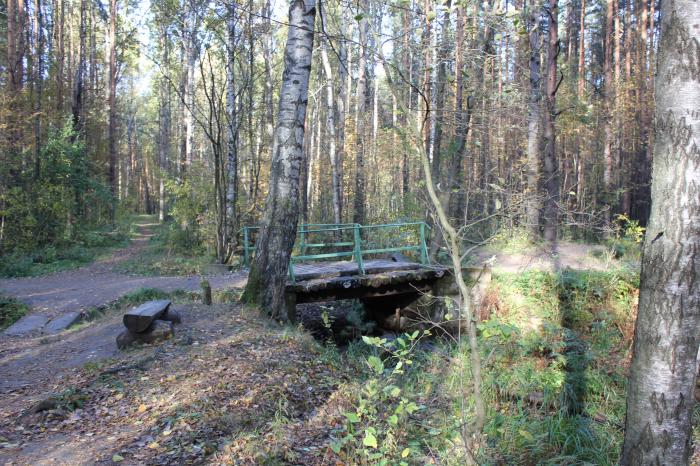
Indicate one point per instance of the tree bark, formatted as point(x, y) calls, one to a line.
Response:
point(551, 165)
point(330, 130)
point(608, 155)
point(232, 142)
point(79, 84)
point(664, 363)
point(581, 69)
point(533, 121)
point(164, 126)
point(268, 274)
point(112, 102)
point(360, 92)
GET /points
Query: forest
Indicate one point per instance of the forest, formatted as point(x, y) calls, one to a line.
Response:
point(173, 150)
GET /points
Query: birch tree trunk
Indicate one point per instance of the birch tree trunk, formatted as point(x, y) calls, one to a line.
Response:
point(551, 164)
point(268, 274)
point(164, 142)
point(342, 109)
point(360, 92)
point(664, 366)
point(330, 130)
point(533, 121)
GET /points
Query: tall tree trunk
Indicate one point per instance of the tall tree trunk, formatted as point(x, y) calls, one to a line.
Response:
point(581, 69)
point(533, 121)
point(342, 110)
point(232, 143)
point(330, 131)
point(608, 156)
point(164, 124)
point(440, 86)
point(551, 164)
point(360, 92)
point(59, 21)
point(38, 83)
point(268, 274)
point(78, 83)
point(664, 362)
point(112, 102)
point(407, 70)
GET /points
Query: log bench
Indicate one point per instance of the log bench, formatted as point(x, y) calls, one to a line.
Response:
point(148, 323)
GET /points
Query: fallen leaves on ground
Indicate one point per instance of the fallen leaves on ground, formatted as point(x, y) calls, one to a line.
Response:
point(231, 388)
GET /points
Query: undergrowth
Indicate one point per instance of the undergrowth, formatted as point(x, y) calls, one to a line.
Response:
point(169, 252)
point(65, 254)
point(11, 311)
point(555, 349)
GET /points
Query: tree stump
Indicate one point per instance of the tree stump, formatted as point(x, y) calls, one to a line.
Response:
point(206, 292)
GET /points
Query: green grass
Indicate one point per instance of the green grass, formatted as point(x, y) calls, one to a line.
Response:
point(66, 255)
point(140, 296)
point(554, 351)
point(11, 311)
point(168, 253)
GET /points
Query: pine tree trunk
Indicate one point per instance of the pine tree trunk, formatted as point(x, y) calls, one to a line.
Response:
point(581, 68)
point(664, 365)
point(112, 102)
point(232, 142)
point(78, 84)
point(268, 274)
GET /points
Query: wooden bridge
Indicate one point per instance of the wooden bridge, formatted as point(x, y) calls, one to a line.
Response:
point(385, 266)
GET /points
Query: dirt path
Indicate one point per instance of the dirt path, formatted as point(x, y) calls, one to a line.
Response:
point(99, 283)
point(39, 364)
point(567, 255)
point(214, 394)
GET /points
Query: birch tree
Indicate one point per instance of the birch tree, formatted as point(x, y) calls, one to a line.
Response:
point(664, 368)
point(533, 118)
point(268, 274)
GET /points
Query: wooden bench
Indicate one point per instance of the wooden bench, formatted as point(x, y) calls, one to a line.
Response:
point(139, 319)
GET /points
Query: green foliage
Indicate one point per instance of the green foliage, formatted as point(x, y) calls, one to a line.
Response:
point(377, 430)
point(170, 251)
point(71, 399)
point(65, 200)
point(554, 380)
point(149, 294)
point(628, 238)
point(63, 255)
point(11, 311)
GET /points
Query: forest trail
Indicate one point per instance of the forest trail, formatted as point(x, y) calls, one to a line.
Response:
point(99, 283)
point(565, 255)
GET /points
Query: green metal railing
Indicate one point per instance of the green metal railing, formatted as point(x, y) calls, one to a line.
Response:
point(358, 240)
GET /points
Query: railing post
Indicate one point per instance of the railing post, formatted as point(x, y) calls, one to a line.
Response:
point(246, 256)
point(358, 250)
point(423, 247)
point(302, 242)
point(292, 278)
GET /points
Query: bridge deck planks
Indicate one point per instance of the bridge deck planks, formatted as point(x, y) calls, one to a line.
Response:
point(316, 270)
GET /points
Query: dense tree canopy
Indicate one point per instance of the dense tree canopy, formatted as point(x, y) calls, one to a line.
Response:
point(170, 106)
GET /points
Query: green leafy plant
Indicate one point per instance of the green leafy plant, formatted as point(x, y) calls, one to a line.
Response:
point(375, 432)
